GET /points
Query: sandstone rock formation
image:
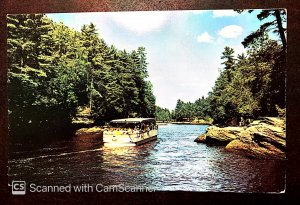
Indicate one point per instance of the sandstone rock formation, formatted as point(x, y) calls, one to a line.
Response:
point(263, 138)
point(90, 131)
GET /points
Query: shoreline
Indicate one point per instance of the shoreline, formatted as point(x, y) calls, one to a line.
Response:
point(183, 123)
point(191, 123)
point(264, 138)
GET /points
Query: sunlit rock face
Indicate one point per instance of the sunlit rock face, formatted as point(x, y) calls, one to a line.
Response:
point(264, 138)
point(201, 138)
point(219, 135)
point(222, 134)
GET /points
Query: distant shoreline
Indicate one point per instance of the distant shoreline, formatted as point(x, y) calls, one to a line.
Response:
point(191, 123)
point(184, 123)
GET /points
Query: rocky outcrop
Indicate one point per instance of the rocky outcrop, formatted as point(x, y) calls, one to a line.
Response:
point(201, 138)
point(89, 131)
point(219, 135)
point(263, 138)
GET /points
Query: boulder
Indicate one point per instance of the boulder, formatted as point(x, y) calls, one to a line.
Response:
point(272, 133)
point(201, 138)
point(89, 131)
point(222, 135)
point(262, 151)
point(264, 138)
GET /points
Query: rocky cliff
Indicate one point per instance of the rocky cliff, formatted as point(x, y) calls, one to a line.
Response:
point(264, 138)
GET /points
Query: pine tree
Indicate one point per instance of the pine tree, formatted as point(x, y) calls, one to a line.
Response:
point(54, 69)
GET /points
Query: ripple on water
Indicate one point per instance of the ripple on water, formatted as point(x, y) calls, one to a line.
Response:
point(173, 162)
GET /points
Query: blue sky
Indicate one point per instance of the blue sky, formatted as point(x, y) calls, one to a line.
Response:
point(183, 47)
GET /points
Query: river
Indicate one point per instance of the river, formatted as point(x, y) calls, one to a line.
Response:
point(173, 162)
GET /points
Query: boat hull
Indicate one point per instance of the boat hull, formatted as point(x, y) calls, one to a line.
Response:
point(146, 140)
point(124, 139)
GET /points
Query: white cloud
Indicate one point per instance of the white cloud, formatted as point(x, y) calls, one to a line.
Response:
point(141, 22)
point(221, 13)
point(205, 38)
point(231, 31)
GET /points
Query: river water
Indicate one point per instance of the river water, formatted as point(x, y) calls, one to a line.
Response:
point(173, 162)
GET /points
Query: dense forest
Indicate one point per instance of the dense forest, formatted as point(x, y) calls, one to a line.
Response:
point(54, 70)
point(249, 85)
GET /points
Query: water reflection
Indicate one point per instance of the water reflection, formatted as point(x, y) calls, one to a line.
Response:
point(173, 162)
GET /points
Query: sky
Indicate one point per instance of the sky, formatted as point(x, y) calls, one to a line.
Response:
point(183, 47)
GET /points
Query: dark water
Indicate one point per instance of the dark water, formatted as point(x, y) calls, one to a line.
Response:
point(173, 162)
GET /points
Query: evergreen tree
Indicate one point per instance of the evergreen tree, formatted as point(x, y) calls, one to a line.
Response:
point(54, 69)
point(163, 114)
point(276, 26)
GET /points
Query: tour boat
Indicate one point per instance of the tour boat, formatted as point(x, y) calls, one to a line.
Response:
point(130, 132)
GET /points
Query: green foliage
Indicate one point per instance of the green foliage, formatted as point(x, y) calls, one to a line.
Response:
point(252, 88)
point(54, 69)
point(198, 111)
point(187, 111)
point(163, 114)
point(248, 86)
point(275, 25)
point(252, 84)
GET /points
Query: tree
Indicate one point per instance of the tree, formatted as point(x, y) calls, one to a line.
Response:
point(149, 100)
point(221, 106)
point(90, 41)
point(228, 56)
point(29, 65)
point(163, 114)
point(275, 25)
point(201, 107)
point(185, 111)
point(54, 69)
point(178, 109)
point(276, 21)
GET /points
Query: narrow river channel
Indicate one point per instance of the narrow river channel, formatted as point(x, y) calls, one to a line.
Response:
point(173, 162)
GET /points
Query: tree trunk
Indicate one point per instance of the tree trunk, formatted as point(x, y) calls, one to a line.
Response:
point(280, 29)
point(91, 94)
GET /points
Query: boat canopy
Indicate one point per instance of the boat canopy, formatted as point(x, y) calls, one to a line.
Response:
point(133, 120)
